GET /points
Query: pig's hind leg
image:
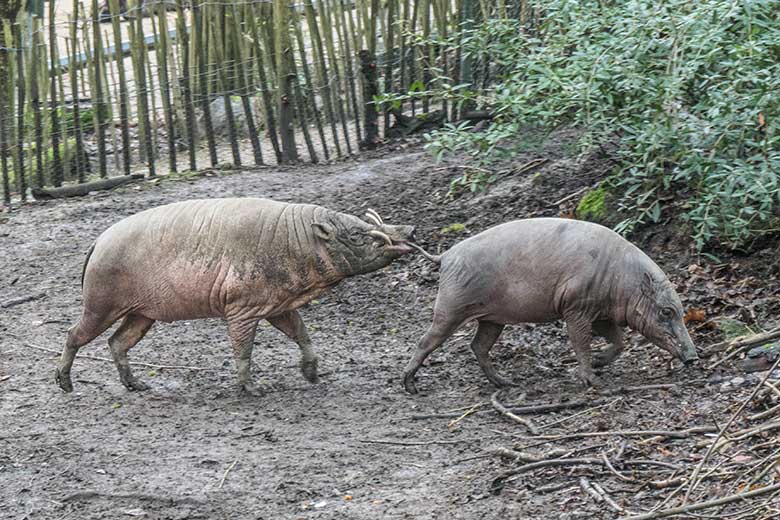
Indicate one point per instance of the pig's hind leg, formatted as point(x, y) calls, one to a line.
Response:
point(132, 329)
point(242, 337)
point(292, 325)
point(90, 326)
point(581, 336)
point(484, 339)
point(612, 333)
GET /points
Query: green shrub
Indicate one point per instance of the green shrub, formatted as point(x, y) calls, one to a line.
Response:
point(690, 88)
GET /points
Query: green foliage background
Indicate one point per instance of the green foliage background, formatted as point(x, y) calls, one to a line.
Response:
point(692, 90)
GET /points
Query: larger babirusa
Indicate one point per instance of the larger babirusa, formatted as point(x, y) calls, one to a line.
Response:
point(242, 259)
point(540, 270)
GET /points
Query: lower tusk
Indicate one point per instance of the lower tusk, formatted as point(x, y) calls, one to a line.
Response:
point(381, 236)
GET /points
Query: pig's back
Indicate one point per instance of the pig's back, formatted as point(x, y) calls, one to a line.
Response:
point(524, 270)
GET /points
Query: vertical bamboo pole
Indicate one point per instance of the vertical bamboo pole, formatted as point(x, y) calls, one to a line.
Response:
point(57, 174)
point(389, 57)
point(203, 93)
point(124, 119)
point(243, 85)
point(66, 147)
point(162, 48)
point(182, 35)
point(310, 87)
point(403, 73)
point(74, 92)
point(144, 92)
point(21, 180)
point(284, 91)
point(349, 70)
point(4, 156)
point(427, 52)
point(36, 106)
point(112, 87)
point(219, 38)
point(327, 29)
point(97, 94)
point(270, 119)
point(314, 34)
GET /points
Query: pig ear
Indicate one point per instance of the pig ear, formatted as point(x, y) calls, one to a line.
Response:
point(323, 230)
point(648, 285)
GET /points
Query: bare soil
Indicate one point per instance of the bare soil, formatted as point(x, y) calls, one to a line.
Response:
point(353, 446)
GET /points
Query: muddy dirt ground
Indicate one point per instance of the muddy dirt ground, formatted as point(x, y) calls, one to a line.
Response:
point(353, 446)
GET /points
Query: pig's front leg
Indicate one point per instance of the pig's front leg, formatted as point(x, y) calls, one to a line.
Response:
point(292, 325)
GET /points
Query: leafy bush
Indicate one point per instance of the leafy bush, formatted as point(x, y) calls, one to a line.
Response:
point(691, 89)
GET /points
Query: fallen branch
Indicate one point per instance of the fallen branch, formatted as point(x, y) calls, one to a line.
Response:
point(590, 461)
point(588, 489)
point(673, 434)
point(509, 415)
point(23, 299)
point(704, 505)
point(740, 344)
point(523, 456)
point(137, 363)
point(78, 190)
point(411, 443)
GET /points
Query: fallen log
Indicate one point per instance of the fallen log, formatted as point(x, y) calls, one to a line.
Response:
point(79, 190)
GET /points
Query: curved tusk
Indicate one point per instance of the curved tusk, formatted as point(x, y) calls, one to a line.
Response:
point(372, 218)
point(381, 236)
point(376, 215)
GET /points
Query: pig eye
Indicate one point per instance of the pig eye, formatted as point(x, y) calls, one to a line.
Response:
point(667, 313)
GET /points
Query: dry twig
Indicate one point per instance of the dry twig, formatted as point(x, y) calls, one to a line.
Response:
point(222, 482)
point(704, 505)
point(509, 415)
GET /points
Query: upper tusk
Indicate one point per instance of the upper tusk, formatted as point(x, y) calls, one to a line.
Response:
point(375, 215)
point(372, 218)
point(382, 236)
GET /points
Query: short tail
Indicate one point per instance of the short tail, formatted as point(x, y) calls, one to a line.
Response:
point(86, 261)
point(436, 259)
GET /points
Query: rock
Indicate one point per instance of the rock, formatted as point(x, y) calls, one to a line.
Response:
point(219, 120)
point(761, 358)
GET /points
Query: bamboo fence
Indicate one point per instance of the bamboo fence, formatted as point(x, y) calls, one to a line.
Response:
point(121, 87)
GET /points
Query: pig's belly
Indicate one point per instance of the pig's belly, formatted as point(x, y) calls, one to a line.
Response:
point(527, 305)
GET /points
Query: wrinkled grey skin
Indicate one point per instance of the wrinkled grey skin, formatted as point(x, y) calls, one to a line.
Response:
point(539, 270)
point(240, 259)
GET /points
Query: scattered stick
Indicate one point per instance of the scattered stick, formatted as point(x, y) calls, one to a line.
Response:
point(615, 472)
point(614, 505)
point(451, 424)
point(694, 481)
point(509, 415)
point(5, 378)
point(137, 363)
point(522, 456)
point(590, 461)
point(23, 299)
point(742, 341)
point(704, 505)
point(571, 196)
point(674, 434)
point(222, 482)
point(588, 489)
point(764, 414)
point(572, 416)
point(411, 443)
